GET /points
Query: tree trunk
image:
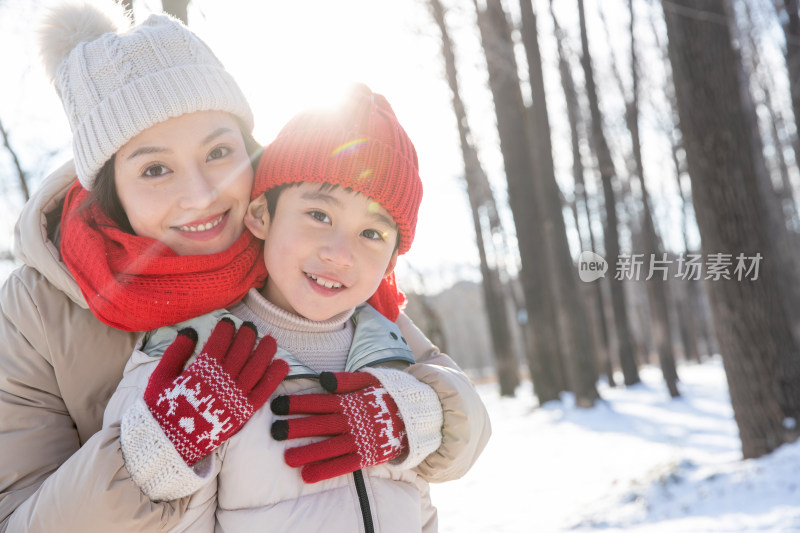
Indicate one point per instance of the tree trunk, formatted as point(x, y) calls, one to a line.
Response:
point(22, 176)
point(693, 322)
point(176, 8)
point(690, 322)
point(514, 145)
point(596, 305)
point(478, 190)
point(656, 286)
point(686, 328)
point(784, 208)
point(754, 334)
point(783, 246)
point(127, 5)
point(607, 174)
point(791, 30)
point(574, 325)
point(785, 193)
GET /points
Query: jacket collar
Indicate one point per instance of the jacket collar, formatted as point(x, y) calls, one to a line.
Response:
point(376, 340)
point(31, 242)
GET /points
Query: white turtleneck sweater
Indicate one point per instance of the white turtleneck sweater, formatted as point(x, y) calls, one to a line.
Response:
point(321, 346)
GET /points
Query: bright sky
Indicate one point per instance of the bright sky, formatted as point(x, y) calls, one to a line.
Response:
point(291, 55)
point(288, 56)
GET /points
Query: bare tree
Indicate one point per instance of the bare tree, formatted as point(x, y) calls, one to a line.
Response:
point(784, 247)
point(789, 10)
point(693, 323)
point(656, 288)
point(577, 342)
point(780, 195)
point(176, 8)
point(755, 337)
point(431, 321)
point(597, 312)
point(128, 7)
point(764, 87)
point(512, 128)
point(22, 176)
point(480, 199)
point(608, 175)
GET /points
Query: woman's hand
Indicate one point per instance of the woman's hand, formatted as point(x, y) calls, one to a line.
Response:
point(201, 407)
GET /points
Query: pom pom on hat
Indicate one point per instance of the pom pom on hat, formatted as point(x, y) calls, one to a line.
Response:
point(360, 146)
point(68, 24)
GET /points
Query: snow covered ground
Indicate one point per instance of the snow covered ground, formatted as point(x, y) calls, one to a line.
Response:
point(637, 461)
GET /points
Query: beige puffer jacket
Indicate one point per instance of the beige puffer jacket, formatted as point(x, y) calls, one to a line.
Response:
point(59, 471)
point(59, 366)
point(256, 490)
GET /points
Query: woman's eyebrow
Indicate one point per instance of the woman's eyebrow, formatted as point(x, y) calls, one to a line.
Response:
point(144, 150)
point(216, 133)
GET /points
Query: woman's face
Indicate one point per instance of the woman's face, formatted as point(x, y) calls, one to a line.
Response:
point(186, 182)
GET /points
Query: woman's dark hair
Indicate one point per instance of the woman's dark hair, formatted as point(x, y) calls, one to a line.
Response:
point(105, 194)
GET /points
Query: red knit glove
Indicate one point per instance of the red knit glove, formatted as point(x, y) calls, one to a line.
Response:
point(361, 418)
point(201, 407)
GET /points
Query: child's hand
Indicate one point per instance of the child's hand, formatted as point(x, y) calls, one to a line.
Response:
point(201, 407)
point(361, 418)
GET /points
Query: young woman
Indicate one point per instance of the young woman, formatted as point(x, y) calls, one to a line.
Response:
point(162, 155)
point(150, 234)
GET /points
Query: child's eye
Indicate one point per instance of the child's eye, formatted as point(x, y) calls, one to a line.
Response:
point(218, 152)
point(319, 215)
point(154, 171)
point(373, 234)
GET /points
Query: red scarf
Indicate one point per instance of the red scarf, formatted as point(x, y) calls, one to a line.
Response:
point(136, 283)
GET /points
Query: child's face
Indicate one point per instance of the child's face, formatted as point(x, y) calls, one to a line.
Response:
point(186, 182)
point(326, 251)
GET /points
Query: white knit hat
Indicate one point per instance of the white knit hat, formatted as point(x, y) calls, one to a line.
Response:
point(116, 85)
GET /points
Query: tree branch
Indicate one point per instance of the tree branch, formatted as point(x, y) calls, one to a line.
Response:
point(23, 181)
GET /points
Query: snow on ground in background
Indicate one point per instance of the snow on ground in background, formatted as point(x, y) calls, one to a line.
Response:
point(637, 461)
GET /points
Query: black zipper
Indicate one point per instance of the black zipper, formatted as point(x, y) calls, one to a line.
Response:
point(358, 478)
point(363, 501)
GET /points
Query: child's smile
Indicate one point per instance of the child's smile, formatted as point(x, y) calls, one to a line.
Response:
point(326, 250)
point(328, 284)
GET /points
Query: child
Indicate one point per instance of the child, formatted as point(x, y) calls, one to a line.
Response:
point(342, 194)
point(161, 133)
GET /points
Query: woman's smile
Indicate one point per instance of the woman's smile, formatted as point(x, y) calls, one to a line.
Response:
point(186, 182)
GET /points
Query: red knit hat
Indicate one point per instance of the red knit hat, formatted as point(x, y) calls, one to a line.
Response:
point(360, 146)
